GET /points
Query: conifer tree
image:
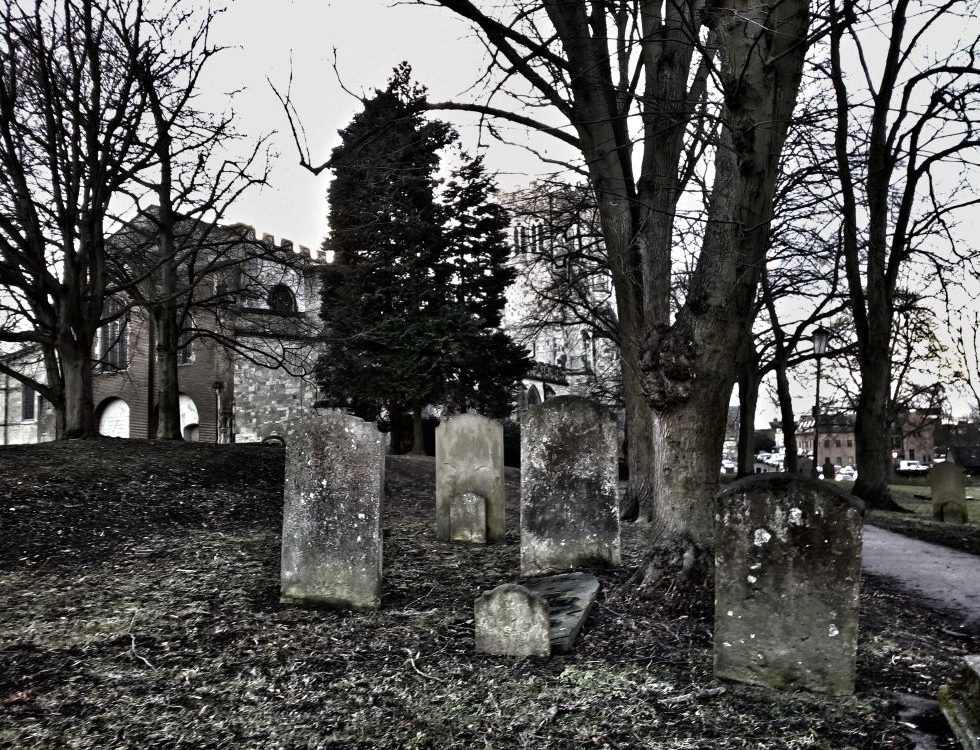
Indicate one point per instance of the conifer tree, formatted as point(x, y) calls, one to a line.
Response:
point(414, 298)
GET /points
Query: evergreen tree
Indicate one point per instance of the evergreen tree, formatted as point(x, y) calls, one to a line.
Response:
point(414, 297)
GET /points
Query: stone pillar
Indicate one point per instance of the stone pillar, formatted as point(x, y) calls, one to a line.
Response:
point(569, 487)
point(948, 493)
point(331, 532)
point(787, 582)
point(470, 466)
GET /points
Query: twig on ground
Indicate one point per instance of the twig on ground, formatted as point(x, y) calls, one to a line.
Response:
point(411, 660)
point(693, 695)
point(132, 639)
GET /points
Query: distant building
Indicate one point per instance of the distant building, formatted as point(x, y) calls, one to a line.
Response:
point(835, 435)
point(546, 305)
point(244, 366)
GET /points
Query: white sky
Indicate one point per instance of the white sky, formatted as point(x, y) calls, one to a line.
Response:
point(371, 37)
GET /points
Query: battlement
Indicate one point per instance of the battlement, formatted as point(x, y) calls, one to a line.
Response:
point(285, 245)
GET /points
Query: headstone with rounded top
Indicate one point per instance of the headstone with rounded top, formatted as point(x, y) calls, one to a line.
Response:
point(948, 493)
point(569, 487)
point(470, 473)
point(512, 621)
point(787, 582)
point(331, 534)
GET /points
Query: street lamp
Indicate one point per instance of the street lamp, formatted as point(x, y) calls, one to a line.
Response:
point(820, 337)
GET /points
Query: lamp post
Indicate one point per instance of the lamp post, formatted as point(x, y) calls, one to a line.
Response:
point(820, 337)
point(218, 387)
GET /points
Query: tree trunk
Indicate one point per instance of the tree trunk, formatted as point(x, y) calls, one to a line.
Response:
point(792, 463)
point(638, 500)
point(167, 396)
point(748, 399)
point(418, 436)
point(872, 437)
point(79, 407)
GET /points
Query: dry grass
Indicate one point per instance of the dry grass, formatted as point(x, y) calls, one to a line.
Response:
point(139, 608)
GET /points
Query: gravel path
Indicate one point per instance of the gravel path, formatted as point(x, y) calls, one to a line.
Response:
point(946, 577)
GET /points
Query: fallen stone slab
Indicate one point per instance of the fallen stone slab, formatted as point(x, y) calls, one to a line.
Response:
point(960, 703)
point(534, 619)
point(570, 598)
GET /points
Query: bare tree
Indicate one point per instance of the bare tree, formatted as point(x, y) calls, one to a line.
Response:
point(900, 125)
point(69, 109)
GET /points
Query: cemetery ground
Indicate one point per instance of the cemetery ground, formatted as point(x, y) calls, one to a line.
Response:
point(139, 606)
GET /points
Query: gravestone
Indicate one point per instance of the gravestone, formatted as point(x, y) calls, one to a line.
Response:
point(569, 487)
point(470, 474)
point(960, 702)
point(512, 621)
point(787, 581)
point(948, 493)
point(570, 597)
point(331, 532)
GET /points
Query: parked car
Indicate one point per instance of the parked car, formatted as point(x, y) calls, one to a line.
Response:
point(847, 474)
point(728, 466)
point(911, 469)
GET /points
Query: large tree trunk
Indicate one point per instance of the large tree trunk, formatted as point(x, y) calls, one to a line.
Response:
point(792, 463)
point(79, 406)
point(638, 501)
point(690, 367)
point(872, 437)
point(418, 435)
point(167, 396)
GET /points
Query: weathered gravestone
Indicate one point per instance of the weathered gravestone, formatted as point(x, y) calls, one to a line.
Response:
point(948, 493)
point(512, 621)
point(470, 480)
point(787, 581)
point(960, 703)
point(569, 487)
point(331, 532)
point(534, 619)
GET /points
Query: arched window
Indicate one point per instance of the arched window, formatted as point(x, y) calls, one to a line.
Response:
point(281, 299)
point(533, 397)
point(114, 418)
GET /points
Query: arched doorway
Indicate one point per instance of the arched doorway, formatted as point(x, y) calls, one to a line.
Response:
point(114, 418)
point(533, 397)
point(188, 418)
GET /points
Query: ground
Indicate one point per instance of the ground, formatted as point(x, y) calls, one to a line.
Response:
point(139, 607)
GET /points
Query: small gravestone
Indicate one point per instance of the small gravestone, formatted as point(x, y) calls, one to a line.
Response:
point(948, 493)
point(470, 465)
point(331, 534)
point(960, 703)
point(787, 581)
point(512, 621)
point(569, 487)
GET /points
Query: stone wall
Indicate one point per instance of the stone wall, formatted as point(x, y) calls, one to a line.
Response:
point(270, 402)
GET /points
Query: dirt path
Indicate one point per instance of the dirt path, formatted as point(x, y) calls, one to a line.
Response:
point(948, 578)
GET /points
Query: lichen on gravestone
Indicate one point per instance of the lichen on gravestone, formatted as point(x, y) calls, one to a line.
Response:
point(512, 621)
point(569, 487)
point(331, 538)
point(787, 584)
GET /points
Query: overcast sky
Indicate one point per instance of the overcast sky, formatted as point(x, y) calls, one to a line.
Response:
point(270, 37)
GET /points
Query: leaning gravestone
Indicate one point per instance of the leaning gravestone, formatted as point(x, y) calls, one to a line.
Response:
point(569, 487)
point(470, 480)
point(331, 532)
point(948, 493)
point(787, 581)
